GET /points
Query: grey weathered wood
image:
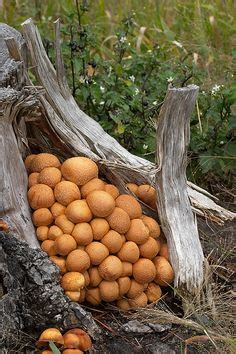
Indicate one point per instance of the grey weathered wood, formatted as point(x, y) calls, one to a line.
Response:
point(86, 137)
point(177, 219)
point(14, 208)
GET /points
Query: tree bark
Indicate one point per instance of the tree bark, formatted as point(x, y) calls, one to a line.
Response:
point(177, 219)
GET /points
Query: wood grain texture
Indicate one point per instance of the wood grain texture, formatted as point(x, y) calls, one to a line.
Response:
point(84, 136)
point(177, 219)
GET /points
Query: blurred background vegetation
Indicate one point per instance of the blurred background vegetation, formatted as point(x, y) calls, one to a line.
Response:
point(120, 57)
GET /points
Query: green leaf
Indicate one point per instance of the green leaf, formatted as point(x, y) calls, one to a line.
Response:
point(54, 349)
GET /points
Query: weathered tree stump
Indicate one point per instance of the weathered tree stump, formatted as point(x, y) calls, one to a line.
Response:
point(47, 118)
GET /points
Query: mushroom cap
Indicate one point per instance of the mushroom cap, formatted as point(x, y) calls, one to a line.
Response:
point(72, 351)
point(74, 296)
point(111, 268)
point(66, 192)
point(152, 225)
point(97, 252)
point(71, 341)
point(72, 281)
point(53, 232)
point(77, 261)
point(78, 211)
point(100, 227)
point(164, 251)
point(112, 190)
point(95, 277)
point(43, 160)
point(42, 217)
point(150, 248)
point(147, 194)
point(48, 246)
point(135, 289)
point(101, 203)
point(42, 233)
point(109, 290)
point(79, 170)
point(123, 304)
point(86, 277)
point(93, 296)
point(127, 269)
point(144, 271)
point(63, 223)
point(129, 252)
point(65, 244)
point(153, 292)
point(33, 179)
point(164, 271)
point(129, 204)
point(95, 184)
point(132, 187)
point(40, 196)
point(83, 234)
point(137, 232)
point(124, 285)
point(139, 301)
point(50, 176)
point(119, 220)
point(113, 241)
point(60, 263)
point(57, 209)
point(85, 340)
point(28, 160)
point(50, 335)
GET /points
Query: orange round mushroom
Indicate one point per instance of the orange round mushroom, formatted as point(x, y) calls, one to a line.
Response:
point(147, 194)
point(44, 160)
point(135, 289)
point(123, 304)
point(42, 217)
point(137, 232)
point(100, 203)
point(74, 296)
point(113, 241)
point(60, 263)
point(33, 179)
point(79, 170)
point(150, 248)
point(77, 261)
point(129, 204)
point(119, 220)
point(109, 290)
point(40, 196)
point(152, 225)
point(111, 268)
point(66, 192)
point(94, 184)
point(139, 301)
point(95, 277)
point(144, 271)
point(164, 271)
point(72, 281)
point(42, 233)
point(100, 228)
point(112, 190)
point(28, 160)
point(153, 292)
point(53, 232)
point(83, 234)
point(64, 224)
point(48, 246)
point(84, 339)
point(124, 285)
point(132, 187)
point(50, 335)
point(97, 252)
point(129, 252)
point(164, 251)
point(93, 296)
point(65, 244)
point(50, 176)
point(127, 269)
point(78, 211)
point(57, 209)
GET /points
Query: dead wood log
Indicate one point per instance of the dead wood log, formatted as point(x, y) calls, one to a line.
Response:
point(35, 299)
point(87, 137)
point(174, 210)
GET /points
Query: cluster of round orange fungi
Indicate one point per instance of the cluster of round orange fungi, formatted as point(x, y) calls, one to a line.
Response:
point(74, 341)
point(105, 248)
point(144, 192)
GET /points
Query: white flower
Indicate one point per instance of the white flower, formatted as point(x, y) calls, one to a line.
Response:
point(94, 101)
point(102, 88)
point(149, 51)
point(154, 103)
point(136, 91)
point(123, 39)
point(82, 80)
point(216, 88)
point(102, 102)
point(132, 78)
point(170, 79)
point(222, 142)
point(145, 146)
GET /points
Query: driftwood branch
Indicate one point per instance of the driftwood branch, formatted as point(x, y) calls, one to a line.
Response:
point(177, 219)
point(88, 138)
